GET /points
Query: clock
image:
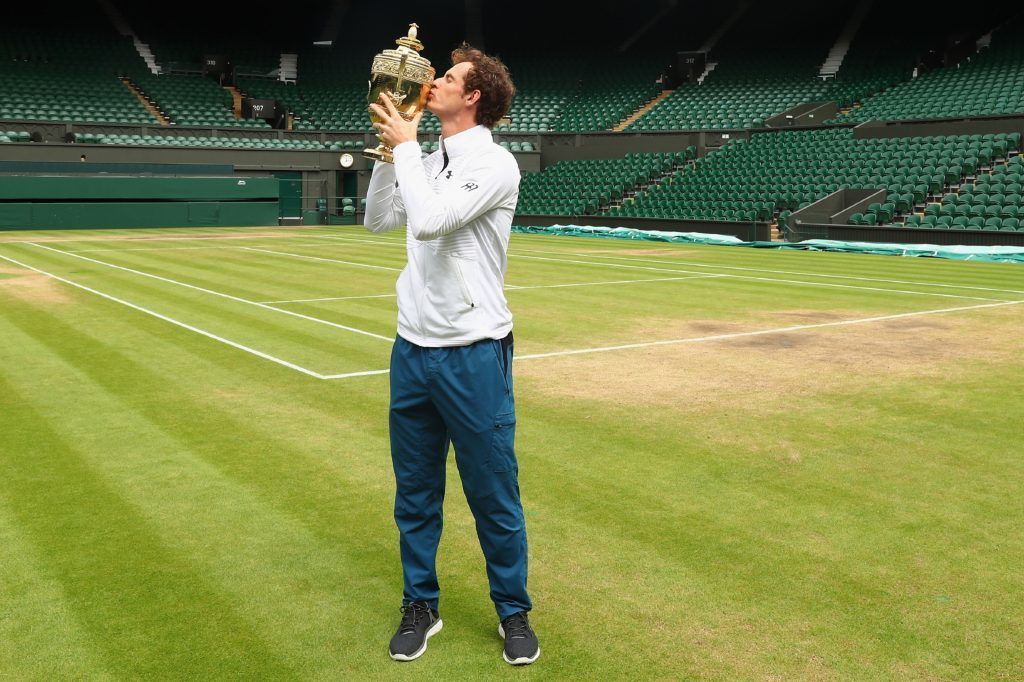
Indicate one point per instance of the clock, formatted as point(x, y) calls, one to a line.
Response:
point(346, 160)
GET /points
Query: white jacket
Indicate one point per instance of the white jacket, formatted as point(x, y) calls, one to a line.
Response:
point(458, 206)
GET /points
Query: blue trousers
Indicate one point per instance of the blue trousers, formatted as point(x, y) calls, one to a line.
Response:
point(460, 395)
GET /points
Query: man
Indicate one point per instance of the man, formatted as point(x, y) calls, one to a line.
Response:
point(451, 365)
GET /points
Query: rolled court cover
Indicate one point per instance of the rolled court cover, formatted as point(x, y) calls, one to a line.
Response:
point(996, 254)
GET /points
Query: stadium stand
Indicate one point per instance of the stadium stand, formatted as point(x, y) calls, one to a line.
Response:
point(609, 91)
point(893, 123)
point(15, 136)
point(191, 100)
point(58, 74)
point(987, 83)
point(777, 172)
point(576, 188)
point(216, 142)
point(739, 92)
point(329, 94)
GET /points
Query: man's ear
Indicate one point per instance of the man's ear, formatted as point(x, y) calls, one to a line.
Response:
point(473, 97)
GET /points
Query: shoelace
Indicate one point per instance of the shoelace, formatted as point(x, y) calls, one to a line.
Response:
point(412, 614)
point(516, 626)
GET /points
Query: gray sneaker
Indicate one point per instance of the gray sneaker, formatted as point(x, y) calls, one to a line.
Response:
point(521, 647)
point(419, 623)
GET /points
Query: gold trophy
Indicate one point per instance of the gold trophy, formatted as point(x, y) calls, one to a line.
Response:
point(403, 76)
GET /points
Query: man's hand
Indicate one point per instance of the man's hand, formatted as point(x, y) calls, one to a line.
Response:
point(394, 130)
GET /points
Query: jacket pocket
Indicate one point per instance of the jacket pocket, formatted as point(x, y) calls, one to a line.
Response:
point(465, 283)
point(503, 449)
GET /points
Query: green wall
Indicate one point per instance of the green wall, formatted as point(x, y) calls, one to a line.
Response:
point(98, 215)
point(136, 187)
point(68, 202)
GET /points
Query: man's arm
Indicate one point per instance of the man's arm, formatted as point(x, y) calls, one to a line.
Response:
point(485, 186)
point(384, 208)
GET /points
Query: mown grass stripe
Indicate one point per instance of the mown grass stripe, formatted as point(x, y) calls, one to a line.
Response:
point(716, 266)
point(40, 637)
point(222, 503)
point(325, 260)
point(148, 613)
point(223, 295)
point(241, 273)
point(814, 506)
point(292, 340)
point(858, 264)
point(170, 320)
point(752, 278)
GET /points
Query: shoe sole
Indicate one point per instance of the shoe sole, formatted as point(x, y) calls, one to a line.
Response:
point(434, 629)
point(522, 660)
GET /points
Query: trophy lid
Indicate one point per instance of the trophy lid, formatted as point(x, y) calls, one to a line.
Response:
point(410, 42)
point(405, 62)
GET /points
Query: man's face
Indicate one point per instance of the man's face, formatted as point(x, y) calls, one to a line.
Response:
point(447, 94)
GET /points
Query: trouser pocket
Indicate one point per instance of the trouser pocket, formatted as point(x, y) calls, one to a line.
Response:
point(503, 452)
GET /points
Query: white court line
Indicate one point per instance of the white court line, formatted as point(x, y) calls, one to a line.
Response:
point(147, 248)
point(328, 260)
point(205, 239)
point(602, 349)
point(116, 240)
point(518, 251)
point(779, 272)
point(779, 330)
point(334, 298)
point(218, 293)
point(183, 325)
point(511, 287)
point(349, 375)
point(620, 281)
point(691, 272)
point(762, 279)
point(734, 335)
point(361, 240)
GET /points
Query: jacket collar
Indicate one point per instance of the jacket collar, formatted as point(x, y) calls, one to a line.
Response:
point(466, 142)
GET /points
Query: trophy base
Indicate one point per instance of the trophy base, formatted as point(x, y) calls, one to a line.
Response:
point(381, 153)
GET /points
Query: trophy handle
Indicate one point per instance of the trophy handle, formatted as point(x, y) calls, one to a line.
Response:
point(401, 72)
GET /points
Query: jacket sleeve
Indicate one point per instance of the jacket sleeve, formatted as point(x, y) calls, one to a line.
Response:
point(384, 208)
point(488, 183)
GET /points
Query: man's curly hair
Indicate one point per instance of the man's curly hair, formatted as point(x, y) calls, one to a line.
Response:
point(490, 76)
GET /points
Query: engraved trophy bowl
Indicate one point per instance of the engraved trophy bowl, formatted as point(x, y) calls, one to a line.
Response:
point(403, 76)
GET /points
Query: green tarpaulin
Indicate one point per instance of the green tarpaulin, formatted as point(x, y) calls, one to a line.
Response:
point(998, 254)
